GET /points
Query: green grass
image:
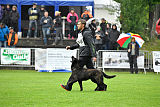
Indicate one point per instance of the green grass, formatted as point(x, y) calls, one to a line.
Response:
point(20, 88)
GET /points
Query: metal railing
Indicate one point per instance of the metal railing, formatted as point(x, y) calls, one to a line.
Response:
point(147, 59)
point(146, 54)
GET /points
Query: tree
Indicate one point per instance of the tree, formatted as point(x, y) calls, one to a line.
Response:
point(137, 15)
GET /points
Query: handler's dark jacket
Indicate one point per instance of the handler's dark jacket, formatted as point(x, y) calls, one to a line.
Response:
point(136, 49)
point(85, 43)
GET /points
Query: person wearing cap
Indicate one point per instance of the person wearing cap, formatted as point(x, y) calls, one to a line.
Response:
point(33, 13)
point(12, 38)
point(58, 27)
point(41, 14)
point(86, 15)
point(14, 16)
point(133, 53)
point(42, 10)
point(72, 18)
point(113, 36)
point(46, 22)
point(4, 31)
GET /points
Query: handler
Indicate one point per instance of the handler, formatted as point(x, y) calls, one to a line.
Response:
point(86, 50)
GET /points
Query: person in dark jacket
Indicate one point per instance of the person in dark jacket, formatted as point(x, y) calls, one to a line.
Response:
point(58, 27)
point(6, 18)
point(72, 18)
point(99, 35)
point(14, 16)
point(93, 27)
point(86, 50)
point(33, 13)
point(103, 25)
point(1, 13)
point(106, 38)
point(4, 31)
point(41, 14)
point(133, 53)
point(46, 22)
point(113, 36)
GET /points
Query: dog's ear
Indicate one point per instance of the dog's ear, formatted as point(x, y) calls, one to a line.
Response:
point(73, 58)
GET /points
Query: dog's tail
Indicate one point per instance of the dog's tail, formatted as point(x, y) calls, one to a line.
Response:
point(107, 76)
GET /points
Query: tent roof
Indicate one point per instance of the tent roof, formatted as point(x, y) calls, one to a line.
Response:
point(50, 2)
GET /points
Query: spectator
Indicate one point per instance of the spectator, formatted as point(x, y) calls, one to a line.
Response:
point(1, 13)
point(14, 16)
point(46, 22)
point(7, 12)
point(41, 14)
point(93, 27)
point(72, 18)
point(86, 50)
point(133, 53)
point(13, 38)
point(58, 27)
point(103, 25)
point(98, 38)
point(4, 31)
point(33, 13)
point(106, 38)
point(113, 36)
point(86, 15)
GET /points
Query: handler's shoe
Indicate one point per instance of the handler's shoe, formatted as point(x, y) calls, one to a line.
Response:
point(64, 87)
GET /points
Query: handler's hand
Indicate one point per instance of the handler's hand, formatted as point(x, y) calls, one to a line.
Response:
point(67, 47)
point(94, 59)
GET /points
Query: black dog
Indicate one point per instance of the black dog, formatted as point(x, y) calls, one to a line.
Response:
point(81, 74)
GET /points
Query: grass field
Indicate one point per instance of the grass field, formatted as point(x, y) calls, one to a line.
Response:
point(20, 88)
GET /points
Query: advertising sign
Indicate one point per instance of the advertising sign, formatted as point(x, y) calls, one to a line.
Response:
point(120, 60)
point(156, 61)
point(15, 56)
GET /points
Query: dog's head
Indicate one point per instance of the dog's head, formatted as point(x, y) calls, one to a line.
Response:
point(75, 63)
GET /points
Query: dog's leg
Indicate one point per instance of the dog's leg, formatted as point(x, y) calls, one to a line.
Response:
point(105, 87)
point(97, 88)
point(80, 84)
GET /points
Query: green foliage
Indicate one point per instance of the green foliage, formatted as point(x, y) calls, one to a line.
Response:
point(134, 16)
point(32, 89)
point(152, 45)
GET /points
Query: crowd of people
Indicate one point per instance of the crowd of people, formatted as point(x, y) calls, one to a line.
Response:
point(104, 35)
point(8, 26)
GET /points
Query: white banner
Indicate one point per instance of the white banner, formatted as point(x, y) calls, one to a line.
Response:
point(40, 59)
point(156, 61)
point(120, 60)
point(15, 56)
point(53, 59)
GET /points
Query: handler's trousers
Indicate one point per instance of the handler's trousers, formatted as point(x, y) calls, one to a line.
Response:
point(133, 61)
point(84, 60)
